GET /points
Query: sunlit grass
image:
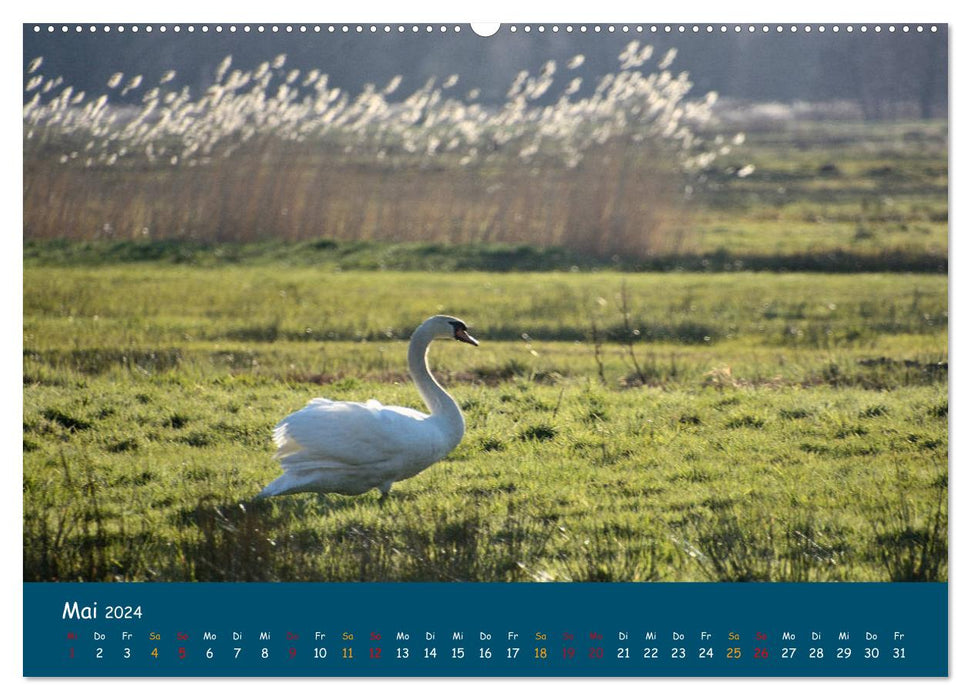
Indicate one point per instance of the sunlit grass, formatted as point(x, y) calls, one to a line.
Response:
point(769, 427)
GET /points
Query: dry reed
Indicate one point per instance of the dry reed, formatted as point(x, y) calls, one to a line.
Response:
point(271, 153)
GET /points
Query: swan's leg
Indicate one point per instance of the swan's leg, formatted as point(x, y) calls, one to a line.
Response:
point(385, 489)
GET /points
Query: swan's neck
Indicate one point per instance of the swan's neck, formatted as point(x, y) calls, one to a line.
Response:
point(442, 406)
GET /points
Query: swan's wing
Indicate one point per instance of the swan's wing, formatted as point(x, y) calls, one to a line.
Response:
point(347, 433)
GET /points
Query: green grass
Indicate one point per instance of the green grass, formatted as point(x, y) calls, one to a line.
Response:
point(862, 189)
point(744, 426)
point(828, 255)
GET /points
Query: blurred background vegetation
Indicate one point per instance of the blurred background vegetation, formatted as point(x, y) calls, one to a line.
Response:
point(761, 151)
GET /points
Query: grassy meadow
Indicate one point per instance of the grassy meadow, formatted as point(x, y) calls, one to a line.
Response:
point(677, 426)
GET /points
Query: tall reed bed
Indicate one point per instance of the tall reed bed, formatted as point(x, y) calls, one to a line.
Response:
point(274, 152)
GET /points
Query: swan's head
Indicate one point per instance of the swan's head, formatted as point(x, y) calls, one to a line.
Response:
point(450, 327)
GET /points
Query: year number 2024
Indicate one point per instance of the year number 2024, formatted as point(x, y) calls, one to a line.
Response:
point(123, 612)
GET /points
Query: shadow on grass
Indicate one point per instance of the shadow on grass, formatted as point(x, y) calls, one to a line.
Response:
point(728, 546)
point(328, 538)
point(912, 545)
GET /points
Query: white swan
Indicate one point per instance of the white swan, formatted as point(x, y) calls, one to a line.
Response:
point(346, 447)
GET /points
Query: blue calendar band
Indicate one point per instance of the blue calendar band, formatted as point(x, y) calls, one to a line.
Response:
point(491, 629)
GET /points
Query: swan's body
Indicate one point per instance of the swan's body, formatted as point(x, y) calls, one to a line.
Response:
point(349, 448)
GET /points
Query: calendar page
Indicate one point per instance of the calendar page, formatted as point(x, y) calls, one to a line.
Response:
point(516, 350)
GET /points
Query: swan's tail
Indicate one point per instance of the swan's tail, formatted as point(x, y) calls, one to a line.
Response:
point(277, 487)
point(302, 474)
point(286, 447)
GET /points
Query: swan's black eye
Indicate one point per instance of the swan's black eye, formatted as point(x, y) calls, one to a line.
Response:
point(461, 332)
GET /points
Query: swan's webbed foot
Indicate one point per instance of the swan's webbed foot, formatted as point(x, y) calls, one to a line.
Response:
point(385, 489)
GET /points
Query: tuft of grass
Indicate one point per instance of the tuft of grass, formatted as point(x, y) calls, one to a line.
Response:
point(176, 421)
point(874, 411)
point(65, 420)
point(745, 421)
point(541, 432)
point(197, 439)
point(124, 445)
point(492, 444)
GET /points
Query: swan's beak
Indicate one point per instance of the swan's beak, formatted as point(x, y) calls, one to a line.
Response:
point(464, 336)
